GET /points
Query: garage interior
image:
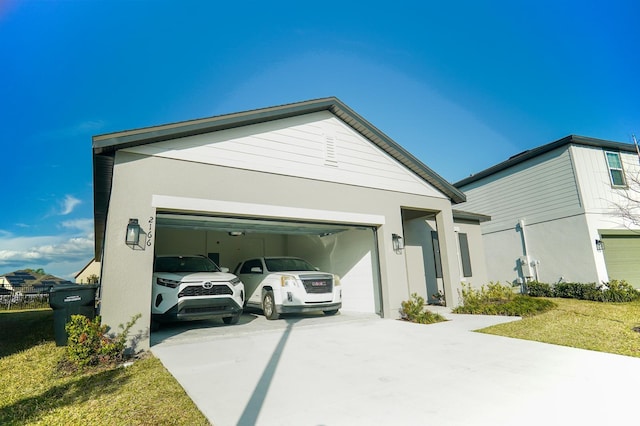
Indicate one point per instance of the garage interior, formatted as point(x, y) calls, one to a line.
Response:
point(344, 249)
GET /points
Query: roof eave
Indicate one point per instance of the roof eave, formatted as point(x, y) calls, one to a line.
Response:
point(104, 146)
point(535, 152)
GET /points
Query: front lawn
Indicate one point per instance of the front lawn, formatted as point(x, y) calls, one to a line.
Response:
point(598, 326)
point(34, 391)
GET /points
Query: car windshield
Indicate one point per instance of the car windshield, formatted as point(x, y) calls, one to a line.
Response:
point(185, 264)
point(288, 264)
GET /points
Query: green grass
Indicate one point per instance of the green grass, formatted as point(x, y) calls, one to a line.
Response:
point(604, 327)
point(33, 391)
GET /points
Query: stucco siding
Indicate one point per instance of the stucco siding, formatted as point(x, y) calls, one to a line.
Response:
point(560, 249)
point(314, 146)
point(540, 189)
point(476, 252)
point(137, 179)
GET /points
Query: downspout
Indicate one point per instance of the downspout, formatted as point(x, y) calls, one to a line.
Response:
point(524, 239)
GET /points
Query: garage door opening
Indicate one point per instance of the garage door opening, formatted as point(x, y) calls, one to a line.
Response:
point(344, 249)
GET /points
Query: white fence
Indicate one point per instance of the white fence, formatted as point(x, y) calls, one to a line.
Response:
point(23, 298)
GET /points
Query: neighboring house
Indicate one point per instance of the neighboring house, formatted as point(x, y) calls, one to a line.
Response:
point(311, 179)
point(28, 281)
point(90, 274)
point(554, 214)
point(18, 280)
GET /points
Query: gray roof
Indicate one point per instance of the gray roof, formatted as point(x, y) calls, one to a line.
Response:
point(531, 153)
point(104, 146)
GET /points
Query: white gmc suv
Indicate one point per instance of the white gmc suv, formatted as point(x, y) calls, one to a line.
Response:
point(288, 284)
point(193, 288)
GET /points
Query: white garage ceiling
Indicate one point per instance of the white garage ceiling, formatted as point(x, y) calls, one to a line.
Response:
point(230, 224)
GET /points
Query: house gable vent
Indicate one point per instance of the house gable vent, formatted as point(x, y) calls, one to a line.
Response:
point(330, 157)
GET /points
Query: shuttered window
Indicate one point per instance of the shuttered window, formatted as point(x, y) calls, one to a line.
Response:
point(464, 254)
point(436, 253)
point(616, 173)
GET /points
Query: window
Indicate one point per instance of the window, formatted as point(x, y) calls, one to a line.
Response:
point(253, 263)
point(436, 253)
point(616, 173)
point(464, 255)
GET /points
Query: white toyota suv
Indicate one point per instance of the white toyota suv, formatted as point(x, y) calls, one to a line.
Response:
point(288, 284)
point(192, 288)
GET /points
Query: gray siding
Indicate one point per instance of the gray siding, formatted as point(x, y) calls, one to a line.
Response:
point(541, 189)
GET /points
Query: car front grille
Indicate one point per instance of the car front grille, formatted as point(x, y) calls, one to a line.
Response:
point(199, 290)
point(317, 285)
point(204, 309)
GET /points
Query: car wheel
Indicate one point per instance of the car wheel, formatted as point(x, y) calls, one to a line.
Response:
point(269, 306)
point(331, 312)
point(232, 320)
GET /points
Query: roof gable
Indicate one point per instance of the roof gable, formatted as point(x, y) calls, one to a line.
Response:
point(317, 146)
point(105, 146)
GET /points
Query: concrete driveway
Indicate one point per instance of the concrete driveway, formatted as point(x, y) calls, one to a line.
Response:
point(355, 369)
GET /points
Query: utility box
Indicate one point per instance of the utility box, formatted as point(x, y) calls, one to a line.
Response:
point(67, 300)
point(525, 267)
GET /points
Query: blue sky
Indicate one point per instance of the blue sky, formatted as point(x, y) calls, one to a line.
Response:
point(461, 85)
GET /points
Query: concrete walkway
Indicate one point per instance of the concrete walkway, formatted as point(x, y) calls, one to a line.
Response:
point(357, 369)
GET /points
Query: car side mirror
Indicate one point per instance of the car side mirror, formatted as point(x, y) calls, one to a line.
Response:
point(256, 270)
point(224, 269)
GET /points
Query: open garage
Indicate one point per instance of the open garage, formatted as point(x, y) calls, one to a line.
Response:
point(344, 249)
point(312, 180)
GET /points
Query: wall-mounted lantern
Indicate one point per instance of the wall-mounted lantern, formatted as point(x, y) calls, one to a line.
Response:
point(398, 243)
point(599, 245)
point(132, 238)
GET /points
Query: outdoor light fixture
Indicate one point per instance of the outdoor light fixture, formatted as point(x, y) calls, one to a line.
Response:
point(599, 245)
point(398, 243)
point(133, 233)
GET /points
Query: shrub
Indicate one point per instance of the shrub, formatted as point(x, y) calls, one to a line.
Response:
point(491, 293)
point(618, 291)
point(582, 291)
point(413, 310)
point(497, 299)
point(614, 291)
point(537, 289)
point(90, 345)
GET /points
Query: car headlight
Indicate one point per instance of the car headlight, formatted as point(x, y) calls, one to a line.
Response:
point(235, 281)
point(288, 281)
point(336, 280)
point(167, 283)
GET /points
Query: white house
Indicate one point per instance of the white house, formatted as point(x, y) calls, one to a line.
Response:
point(311, 179)
point(554, 213)
point(90, 274)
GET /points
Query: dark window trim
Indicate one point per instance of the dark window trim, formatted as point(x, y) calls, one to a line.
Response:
point(436, 253)
point(465, 256)
point(610, 169)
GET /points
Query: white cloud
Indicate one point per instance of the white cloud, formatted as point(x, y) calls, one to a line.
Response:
point(68, 204)
point(84, 225)
point(55, 254)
